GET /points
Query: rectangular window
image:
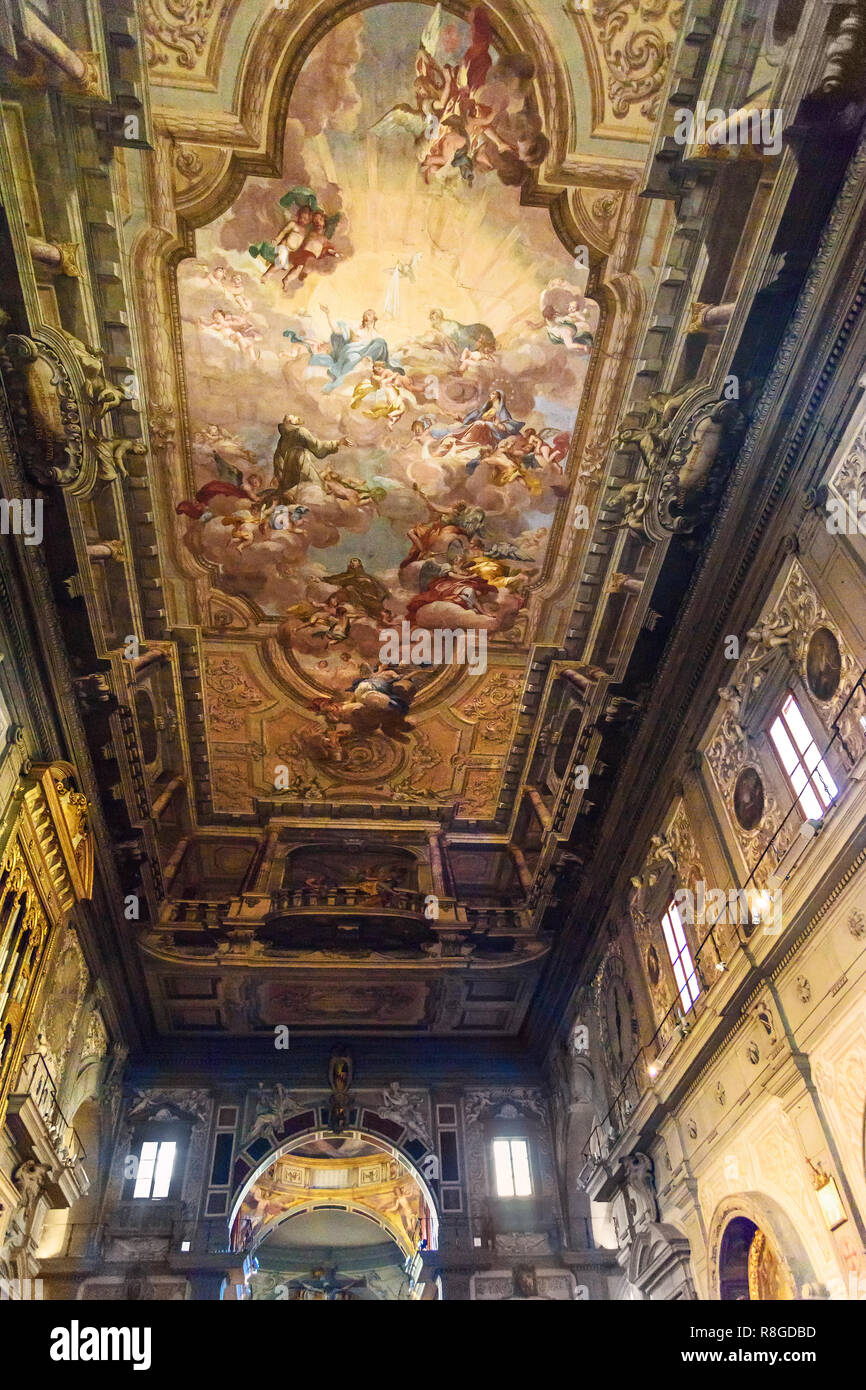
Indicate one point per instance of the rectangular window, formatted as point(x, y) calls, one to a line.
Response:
point(155, 1166)
point(680, 957)
point(511, 1164)
point(805, 769)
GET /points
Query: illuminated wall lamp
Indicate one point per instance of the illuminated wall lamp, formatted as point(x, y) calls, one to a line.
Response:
point(760, 905)
point(830, 1202)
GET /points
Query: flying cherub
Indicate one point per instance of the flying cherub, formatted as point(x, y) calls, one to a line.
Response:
point(563, 314)
point(473, 116)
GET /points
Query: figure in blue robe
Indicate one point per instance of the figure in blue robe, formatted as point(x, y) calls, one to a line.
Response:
point(349, 347)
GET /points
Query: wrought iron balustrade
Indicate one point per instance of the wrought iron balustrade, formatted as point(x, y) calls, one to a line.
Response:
point(36, 1083)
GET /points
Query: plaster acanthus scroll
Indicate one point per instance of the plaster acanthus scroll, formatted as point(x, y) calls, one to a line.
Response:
point(636, 40)
point(176, 29)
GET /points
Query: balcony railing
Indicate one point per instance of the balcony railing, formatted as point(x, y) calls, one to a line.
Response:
point(195, 912)
point(89, 1240)
point(207, 919)
point(36, 1083)
point(401, 900)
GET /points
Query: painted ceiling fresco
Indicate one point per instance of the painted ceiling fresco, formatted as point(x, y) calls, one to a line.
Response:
point(384, 356)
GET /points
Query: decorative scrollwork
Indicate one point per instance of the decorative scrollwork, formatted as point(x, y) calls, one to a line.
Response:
point(637, 50)
point(687, 445)
point(60, 397)
point(181, 26)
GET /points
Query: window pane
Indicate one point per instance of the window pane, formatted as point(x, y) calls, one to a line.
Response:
point(687, 983)
point(162, 1173)
point(502, 1165)
point(146, 1160)
point(520, 1166)
point(669, 936)
point(806, 770)
point(811, 757)
point(797, 724)
point(810, 805)
point(784, 746)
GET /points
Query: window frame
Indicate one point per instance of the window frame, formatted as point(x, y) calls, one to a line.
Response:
point(777, 715)
point(150, 1195)
point(159, 1132)
point(511, 1139)
point(677, 959)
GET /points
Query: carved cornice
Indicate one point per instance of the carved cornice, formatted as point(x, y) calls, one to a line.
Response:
point(55, 834)
point(705, 609)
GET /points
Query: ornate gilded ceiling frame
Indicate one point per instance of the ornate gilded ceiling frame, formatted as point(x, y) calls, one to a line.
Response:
point(250, 140)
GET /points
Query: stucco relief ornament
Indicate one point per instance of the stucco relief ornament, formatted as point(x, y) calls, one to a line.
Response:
point(273, 1108)
point(407, 1108)
point(179, 26)
point(796, 617)
point(493, 707)
point(526, 1101)
point(59, 396)
point(857, 924)
point(850, 476)
point(642, 1203)
point(181, 1104)
point(231, 694)
point(96, 1043)
point(660, 852)
point(764, 1014)
point(720, 1093)
point(635, 38)
point(687, 445)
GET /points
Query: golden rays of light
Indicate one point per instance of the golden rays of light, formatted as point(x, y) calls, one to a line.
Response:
point(470, 266)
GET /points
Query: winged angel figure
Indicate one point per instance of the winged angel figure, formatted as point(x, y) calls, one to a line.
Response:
point(471, 117)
